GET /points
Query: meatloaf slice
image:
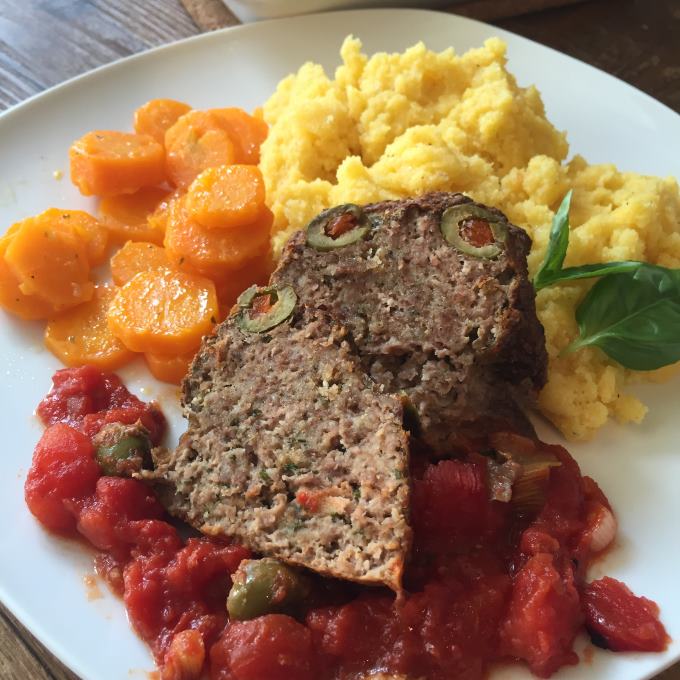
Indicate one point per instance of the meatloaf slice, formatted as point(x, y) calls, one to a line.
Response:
point(291, 447)
point(447, 318)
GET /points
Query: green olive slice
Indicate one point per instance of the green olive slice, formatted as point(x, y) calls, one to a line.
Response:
point(453, 219)
point(266, 586)
point(126, 455)
point(349, 221)
point(246, 297)
point(264, 308)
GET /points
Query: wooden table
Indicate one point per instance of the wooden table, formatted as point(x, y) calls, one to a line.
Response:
point(43, 42)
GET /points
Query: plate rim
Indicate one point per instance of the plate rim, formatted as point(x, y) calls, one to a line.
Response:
point(33, 626)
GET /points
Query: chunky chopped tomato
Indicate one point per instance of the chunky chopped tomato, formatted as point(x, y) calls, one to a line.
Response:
point(484, 582)
point(619, 620)
point(448, 630)
point(544, 616)
point(87, 399)
point(563, 513)
point(168, 592)
point(104, 518)
point(272, 647)
point(450, 503)
point(63, 471)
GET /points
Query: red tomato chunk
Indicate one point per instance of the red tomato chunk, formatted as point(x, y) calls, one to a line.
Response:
point(169, 588)
point(450, 504)
point(544, 616)
point(620, 621)
point(271, 647)
point(448, 630)
point(106, 518)
point(63, 471)
point(87, 399)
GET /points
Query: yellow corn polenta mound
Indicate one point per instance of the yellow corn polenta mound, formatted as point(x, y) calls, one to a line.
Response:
point(399, 125)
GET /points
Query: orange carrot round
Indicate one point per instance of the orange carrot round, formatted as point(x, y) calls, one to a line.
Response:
point(195, 142)
point(226, 196)
point(157, 116)
point(135, 257)
point(214, 252)
point(170, 368)
point(93, 234)
point(158, 219)
point(247, 133)
point(27, 307)
point(107, 162)
point(163, 311)
point(82, 335)
point(50, 260)
point(127, 217)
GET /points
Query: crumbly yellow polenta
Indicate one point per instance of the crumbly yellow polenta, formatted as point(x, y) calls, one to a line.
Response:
point(397, 125)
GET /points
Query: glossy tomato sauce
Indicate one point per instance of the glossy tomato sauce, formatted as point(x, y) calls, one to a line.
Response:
point(488, 580)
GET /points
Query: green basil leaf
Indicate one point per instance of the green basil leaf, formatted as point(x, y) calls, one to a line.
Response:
point(633, 317)
point(587, 271)
point(666, 281)
point(557, 245)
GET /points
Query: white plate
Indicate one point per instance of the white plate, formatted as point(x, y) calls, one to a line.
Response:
point(638, 467)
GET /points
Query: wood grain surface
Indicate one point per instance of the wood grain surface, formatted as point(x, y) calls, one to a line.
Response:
point(43, 42)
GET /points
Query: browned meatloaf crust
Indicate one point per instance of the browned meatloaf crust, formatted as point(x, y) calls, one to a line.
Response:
point(292, 449)
point(455, 332)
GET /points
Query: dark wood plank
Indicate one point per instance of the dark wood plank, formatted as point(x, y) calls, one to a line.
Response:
point(635, 40)
point(22, 657)
point(43, 42)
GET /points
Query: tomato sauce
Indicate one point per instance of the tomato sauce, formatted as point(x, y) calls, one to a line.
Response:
point(87, 399)
point(487, 581)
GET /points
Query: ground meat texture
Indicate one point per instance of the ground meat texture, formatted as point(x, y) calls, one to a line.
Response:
point(293, 449)
point(451, 330)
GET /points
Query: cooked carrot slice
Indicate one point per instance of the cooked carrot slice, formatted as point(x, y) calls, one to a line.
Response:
point(227, 196)
point(13, 229)
point(27, 307)
point(50, 260)
point(135, 257)
point(157, 116)
point(214, 252)
point(88, 228)
point(163, 311)
point(169, 368)
point(158, 219)
point(127, 216)
point(82, 336)
point(107, 162)
point(247, 133)
point(195, 142)
point(256, 271)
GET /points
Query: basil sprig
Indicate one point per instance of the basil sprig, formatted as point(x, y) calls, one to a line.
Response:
point(632, 313)
point(633, 318)
point(551, 270)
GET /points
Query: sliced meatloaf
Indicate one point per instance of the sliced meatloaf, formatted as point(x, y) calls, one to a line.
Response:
point(435, 294)
point(291, 447)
